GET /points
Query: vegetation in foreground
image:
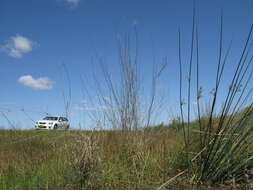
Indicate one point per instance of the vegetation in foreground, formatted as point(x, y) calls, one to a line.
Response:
point(88, 160)
point(72, 160)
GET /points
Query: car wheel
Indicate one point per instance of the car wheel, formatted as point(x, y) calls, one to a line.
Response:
point(55, 127)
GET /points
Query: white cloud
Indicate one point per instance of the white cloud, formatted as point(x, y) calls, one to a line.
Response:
point(17, 45)
point(42, 83)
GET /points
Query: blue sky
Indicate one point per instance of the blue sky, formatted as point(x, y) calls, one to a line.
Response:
point(37, 36)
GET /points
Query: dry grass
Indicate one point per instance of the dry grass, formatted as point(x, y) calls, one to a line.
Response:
point(72, 160)
point(88, 160)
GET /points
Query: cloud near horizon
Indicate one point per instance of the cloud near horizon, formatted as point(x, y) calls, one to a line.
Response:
point(93, 108)
point(18, 45)
point(42, 83)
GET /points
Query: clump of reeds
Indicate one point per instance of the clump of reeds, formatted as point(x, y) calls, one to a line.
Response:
point(224, 145)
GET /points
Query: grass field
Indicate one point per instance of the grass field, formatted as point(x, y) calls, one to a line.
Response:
point(72, 160)
point(88, 160)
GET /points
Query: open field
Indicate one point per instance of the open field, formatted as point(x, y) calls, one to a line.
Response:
point(71, 160)
point(88, 160)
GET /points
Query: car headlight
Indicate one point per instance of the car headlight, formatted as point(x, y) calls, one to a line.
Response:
point(51, 123)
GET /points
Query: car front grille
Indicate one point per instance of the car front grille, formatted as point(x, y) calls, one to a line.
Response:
point(42, 123)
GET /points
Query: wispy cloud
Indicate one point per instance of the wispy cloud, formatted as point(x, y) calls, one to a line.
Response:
point(104, 98)
point(72, 2)
point(42, 83)
point(18, 45)
point(82, 101)
point(7, 103)
point(93, 108)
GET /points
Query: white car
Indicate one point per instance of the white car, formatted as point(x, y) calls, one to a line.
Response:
point(52, 122)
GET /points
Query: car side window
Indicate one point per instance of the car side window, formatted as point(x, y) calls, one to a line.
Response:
point(60, 119)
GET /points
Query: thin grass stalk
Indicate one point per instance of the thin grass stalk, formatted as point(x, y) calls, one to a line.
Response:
point(114, 94)
point(209, 125)
point(208, 130)
point(189, 80)
point(155, 76)
point(218, 73)
point(221, 73)
point(225, 62)
point(181, 85)
point(86, 94)
point(199, 91)
point(67, 101)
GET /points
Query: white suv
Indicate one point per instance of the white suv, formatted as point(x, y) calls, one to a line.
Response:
point(51, 122)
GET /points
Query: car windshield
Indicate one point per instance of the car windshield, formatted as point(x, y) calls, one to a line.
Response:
point(51, 118)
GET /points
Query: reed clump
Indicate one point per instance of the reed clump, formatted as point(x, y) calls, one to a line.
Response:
point(222, 149)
